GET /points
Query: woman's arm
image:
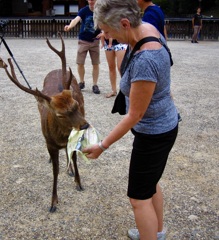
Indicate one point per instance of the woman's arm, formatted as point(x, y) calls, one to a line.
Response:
point(140, 96)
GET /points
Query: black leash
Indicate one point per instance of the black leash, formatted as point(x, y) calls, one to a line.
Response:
point(10, 53)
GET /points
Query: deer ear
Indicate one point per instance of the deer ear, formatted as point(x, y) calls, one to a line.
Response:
point(43, 101)
point(67, 92)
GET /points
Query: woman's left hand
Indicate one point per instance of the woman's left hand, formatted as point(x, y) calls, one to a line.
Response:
point(92, 152)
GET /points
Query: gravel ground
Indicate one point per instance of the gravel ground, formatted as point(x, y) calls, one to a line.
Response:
point(102, 211)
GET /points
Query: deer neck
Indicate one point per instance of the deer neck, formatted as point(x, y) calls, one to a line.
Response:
point(56, 131)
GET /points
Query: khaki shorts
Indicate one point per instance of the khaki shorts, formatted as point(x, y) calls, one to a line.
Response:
point(94, 51)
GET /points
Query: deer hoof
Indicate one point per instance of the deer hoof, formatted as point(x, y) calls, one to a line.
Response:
point(79, 188)
point(52, 209)
point(71, 174)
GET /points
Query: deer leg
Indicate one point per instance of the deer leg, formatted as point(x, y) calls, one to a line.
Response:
point(77, 176)
point(70, 170)
point(54, 154)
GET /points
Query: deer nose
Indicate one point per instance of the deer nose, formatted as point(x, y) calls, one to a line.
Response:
point(85, 126)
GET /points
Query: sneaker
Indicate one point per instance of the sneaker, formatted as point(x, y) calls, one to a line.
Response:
point(81, 85)
point(162, 235)
point(192, 41)
point(95, 89)
point(134, 234)
point(196, 41)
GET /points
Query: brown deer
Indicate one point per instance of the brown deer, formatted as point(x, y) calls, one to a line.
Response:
point(61, 107)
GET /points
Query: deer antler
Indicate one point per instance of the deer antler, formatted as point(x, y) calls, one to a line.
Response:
point(61, 54)
point(68, 84)
point(14, 79)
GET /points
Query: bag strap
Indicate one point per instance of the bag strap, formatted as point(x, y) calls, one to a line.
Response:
point(145, 40)
point(138, 45)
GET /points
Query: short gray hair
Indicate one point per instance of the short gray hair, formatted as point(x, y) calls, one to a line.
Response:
point(110, 12)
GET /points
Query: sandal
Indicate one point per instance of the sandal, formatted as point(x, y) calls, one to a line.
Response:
point(112, 94)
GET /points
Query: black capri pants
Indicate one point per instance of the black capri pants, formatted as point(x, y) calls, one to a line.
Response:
point(148, 160)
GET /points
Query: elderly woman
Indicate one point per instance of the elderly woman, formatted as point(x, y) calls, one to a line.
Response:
point(150, 112)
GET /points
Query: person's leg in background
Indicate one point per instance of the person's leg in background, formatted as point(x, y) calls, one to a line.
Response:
point(195, 34)
point(111, 60)
point(94, 52)
point(81, 56)
point(81, 73)
point(114, 57)
point(199, 28)
point(120, 52)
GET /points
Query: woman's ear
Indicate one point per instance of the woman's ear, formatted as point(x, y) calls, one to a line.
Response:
point(125, 23)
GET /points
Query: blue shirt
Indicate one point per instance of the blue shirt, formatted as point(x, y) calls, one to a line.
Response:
point(154, 66)
point(155, 16)
point(87, 30)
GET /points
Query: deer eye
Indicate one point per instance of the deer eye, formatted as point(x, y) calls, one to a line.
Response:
point(60, 115)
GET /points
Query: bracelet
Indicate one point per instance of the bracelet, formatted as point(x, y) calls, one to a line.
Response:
point(101, 146)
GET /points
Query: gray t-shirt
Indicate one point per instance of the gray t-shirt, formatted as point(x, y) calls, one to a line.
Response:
point(154, 66)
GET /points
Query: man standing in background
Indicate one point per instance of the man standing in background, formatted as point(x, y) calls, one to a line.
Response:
point(196, 25)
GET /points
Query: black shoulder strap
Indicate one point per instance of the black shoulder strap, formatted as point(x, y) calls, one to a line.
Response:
point(151, 39)
point(140, 43)
point(145, 40)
